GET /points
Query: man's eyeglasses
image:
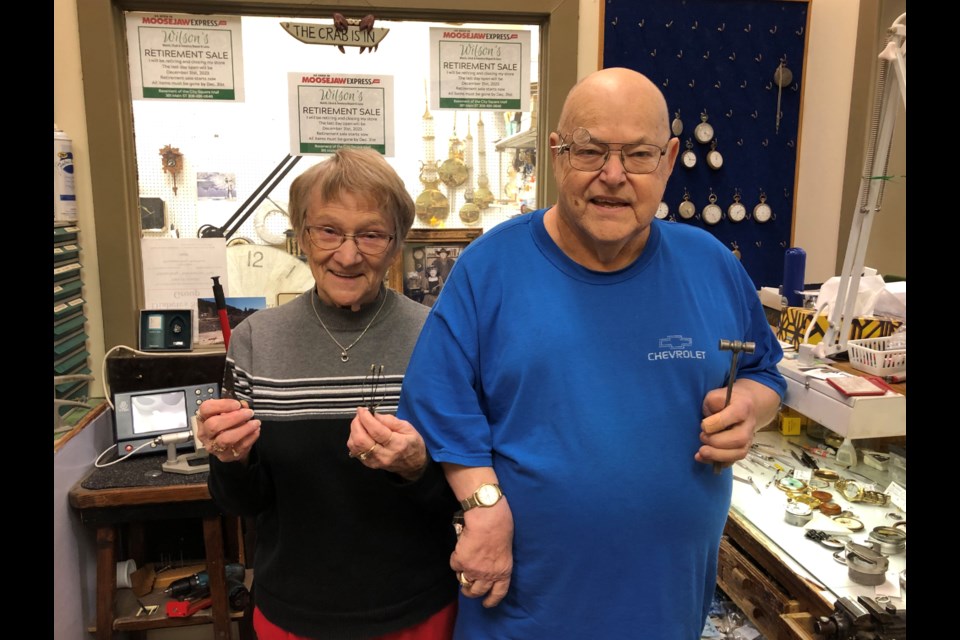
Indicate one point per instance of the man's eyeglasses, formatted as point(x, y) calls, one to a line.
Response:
point(370, 243)
point(585, 154)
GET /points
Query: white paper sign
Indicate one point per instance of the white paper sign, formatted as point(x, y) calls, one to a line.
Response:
point(486, 69)
point(333, 110)
point(898, 495)
point(185, 57)
point(177, 271)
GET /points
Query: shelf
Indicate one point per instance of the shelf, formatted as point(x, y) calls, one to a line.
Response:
point(126, 607)
point(523, 140)
point(853, 417)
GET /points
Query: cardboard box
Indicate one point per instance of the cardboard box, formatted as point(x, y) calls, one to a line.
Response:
point(794, 322)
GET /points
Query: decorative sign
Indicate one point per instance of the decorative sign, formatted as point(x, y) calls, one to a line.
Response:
point(185, 57)
point(330, 111)
point(351, 34)
point(480, 69)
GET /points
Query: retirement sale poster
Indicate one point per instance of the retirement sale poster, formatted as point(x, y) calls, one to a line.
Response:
point(185, 57)
point(333, 110)
point(480, 69)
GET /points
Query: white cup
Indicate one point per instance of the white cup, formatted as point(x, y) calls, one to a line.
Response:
point(124, 569)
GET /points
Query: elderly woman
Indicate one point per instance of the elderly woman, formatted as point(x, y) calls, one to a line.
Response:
point(353, 518)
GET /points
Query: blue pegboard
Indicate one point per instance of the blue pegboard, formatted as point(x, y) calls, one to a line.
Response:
point(721, 58)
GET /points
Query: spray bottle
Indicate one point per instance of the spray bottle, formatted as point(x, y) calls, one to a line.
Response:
point(64, 195)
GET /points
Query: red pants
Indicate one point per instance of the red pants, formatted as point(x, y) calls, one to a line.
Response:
point(439, 626)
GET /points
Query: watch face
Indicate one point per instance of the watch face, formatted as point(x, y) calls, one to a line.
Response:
point(663, 210)
point(487, 495)
point(790, 483)
point(703, 133)
point(687, 209)
point(736, 212)
point(799, 509)
point(676, 126)
point(850, 523)
point(712, 214)
point(762, 212)
point(851, 490)
point(689, 159)
point(714, 160)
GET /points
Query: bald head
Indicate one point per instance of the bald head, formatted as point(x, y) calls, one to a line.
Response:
point(590, 98)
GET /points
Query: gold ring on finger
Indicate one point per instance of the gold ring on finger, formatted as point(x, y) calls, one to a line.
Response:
point(463, 579)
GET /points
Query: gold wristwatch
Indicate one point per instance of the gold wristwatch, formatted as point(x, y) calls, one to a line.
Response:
point(486, 495)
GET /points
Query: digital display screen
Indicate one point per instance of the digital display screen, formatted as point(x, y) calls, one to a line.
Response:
point(159, 412)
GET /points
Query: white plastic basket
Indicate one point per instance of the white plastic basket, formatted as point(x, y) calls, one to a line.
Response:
point(872, 356)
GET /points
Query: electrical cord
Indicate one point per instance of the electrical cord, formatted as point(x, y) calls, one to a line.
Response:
point(168, 438)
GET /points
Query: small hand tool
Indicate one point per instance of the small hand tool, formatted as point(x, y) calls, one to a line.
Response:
point(817, 451)
point(798, 458)
point(736, 347)
point(747, 480)
point(185, 609)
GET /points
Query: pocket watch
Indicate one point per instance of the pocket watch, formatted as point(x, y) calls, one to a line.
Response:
point(677, 125)
point(797, 514)
point(663, 210)
point(736, 212)
point(714, 159)
point(762, 212)
point(712, 214)
point(703, 131)
point(688, 157)
point(687, 209)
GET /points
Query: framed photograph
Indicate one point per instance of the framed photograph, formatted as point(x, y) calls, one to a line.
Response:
point(209, 331)
point(420, 271)
point(215, 185)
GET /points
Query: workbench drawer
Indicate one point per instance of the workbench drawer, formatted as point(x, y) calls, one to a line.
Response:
point(760, 598)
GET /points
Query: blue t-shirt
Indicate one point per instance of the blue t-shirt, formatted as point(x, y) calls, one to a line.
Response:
point(584, 391)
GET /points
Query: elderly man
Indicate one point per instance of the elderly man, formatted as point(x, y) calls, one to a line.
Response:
point(574, 393)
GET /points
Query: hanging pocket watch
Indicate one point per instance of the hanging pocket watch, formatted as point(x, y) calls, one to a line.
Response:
point(736, 212)
point(687, 209)
point(677, 125)
point(762, 212)
point(663, 210)
point(688, 157)
point(704, 131)
point(714, 159)
point(712, 214)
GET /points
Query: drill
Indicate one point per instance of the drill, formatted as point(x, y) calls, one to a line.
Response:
point(201, 581)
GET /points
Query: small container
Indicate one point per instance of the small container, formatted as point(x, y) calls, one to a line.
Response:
point(790, 422)
point(797, 513)
point(847, 454)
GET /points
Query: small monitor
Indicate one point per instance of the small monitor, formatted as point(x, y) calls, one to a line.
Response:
point(140, 417)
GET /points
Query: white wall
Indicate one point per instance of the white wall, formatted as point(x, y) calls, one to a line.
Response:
point(828, 75)
point(69, 114)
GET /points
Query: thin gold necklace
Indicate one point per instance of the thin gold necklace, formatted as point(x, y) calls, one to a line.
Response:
point(343, 350)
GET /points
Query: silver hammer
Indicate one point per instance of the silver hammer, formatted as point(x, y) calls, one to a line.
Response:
point(736, 346)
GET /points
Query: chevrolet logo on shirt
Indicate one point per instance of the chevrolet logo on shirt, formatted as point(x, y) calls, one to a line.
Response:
point(676, 348)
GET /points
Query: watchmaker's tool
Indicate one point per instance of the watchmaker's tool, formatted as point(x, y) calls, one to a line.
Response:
point(736, 347)
point(221, 303)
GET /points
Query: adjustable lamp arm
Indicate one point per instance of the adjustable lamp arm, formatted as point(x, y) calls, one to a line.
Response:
point(872, 182)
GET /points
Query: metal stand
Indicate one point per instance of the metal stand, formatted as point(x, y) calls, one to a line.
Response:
point(871, 187)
